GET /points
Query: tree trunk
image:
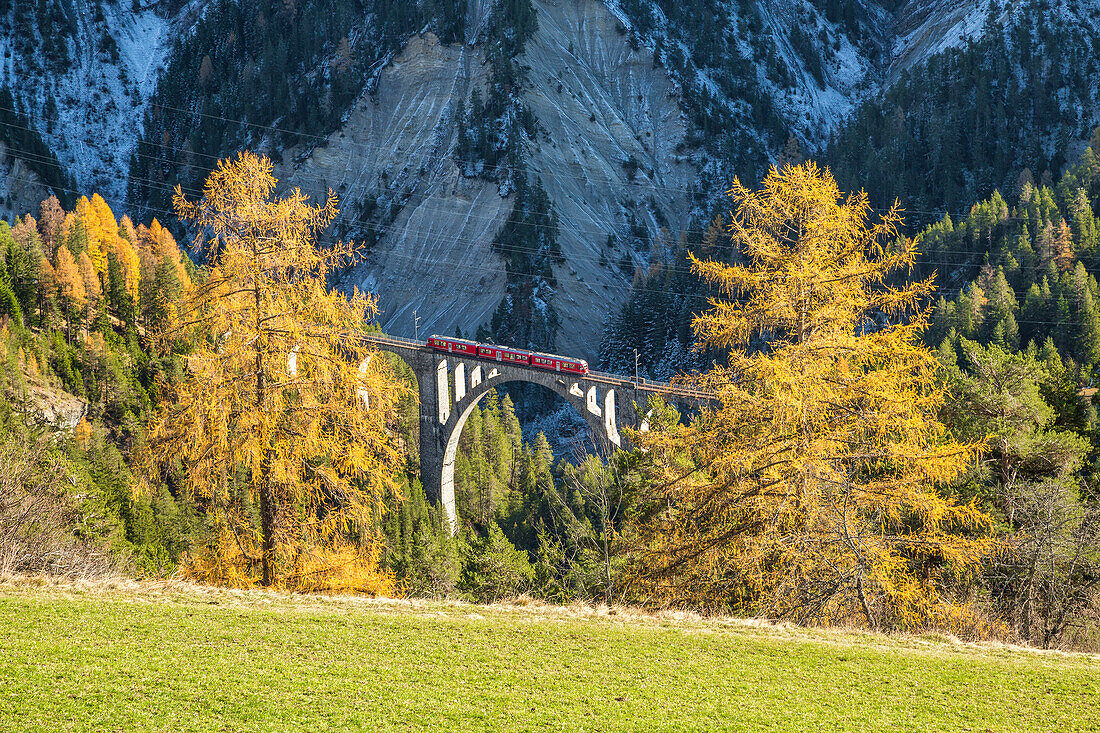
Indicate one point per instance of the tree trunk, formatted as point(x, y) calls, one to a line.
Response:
point(267, 497)
point(267, 525)
point(605, 532)
point(863, 602)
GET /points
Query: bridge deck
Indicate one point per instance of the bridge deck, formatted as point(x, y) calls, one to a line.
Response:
point(614, 380)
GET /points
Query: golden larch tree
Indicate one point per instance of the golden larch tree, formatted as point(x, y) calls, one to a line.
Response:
point(168, 251)
point(93, 215)
point(70, 283)
point(812, 489)
point(148, 249)
point(1064, 256)
point(50, 217)
point(47, 285)
point(156, 245)
point(93, 291)
point(270, 419)
point(125, 250)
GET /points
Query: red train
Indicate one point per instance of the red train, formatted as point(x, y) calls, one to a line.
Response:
point(505, 355)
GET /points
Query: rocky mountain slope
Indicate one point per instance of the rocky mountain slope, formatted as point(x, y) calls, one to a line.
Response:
point(631, 115)
point(393, 152)
point(82, 72)
point(599, 105)
point(21, 188)
point(1020, 99)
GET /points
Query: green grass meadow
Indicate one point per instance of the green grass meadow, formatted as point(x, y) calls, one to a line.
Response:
point(135, 657)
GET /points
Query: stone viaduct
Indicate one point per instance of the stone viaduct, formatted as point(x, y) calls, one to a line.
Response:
point(451, 385)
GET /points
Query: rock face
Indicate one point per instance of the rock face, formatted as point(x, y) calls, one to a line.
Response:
point(434, 259)
point(926, 27)
point(89, 106)
point(21, 190)
point(54, 407)
point(600, 105)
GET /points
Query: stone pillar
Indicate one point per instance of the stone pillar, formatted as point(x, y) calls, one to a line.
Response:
point(610, 423)
point(592, 402)
point(460, 382)
point(431, 430)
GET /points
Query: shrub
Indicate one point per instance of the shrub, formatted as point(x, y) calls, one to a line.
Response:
point(38, 518)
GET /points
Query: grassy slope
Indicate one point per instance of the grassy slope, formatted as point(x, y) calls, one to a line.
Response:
point(184, 658)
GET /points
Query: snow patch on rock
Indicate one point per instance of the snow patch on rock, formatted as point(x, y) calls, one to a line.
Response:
point(929, 27)
point(92, 113)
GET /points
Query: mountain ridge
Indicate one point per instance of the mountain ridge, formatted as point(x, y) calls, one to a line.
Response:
point(631, 115)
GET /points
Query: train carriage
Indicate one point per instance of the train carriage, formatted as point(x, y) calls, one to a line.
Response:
point(555, 363)
point(453, 345)
point(504, 354)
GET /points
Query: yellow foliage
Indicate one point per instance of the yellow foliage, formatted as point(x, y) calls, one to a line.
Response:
point(1064, 256)
point(127, 230)
point(169, 251)
point(92, 288)
point(101, 227)
point(126, 252)
point(249, 431)
point(27, 360)
point(89, 218)
point(47, 279)
point(69, 279)
point(157, 245)
point(812, 489)
point(82, 433)
point(105, 237)
point(95, 343)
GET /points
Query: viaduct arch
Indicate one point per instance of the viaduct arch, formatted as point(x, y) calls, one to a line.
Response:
point(450, 387)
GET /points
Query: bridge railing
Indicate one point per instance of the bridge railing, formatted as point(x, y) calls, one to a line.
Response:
point(381, 338)
point(646, 385)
